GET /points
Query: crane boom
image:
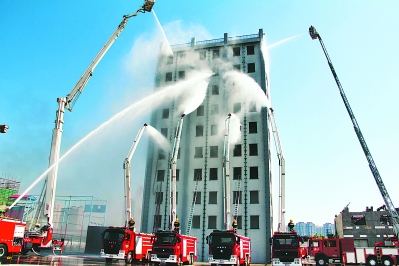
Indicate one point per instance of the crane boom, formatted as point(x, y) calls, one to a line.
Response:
point(226, 174)
point(126, 167)
point(281, 164)
point(387, 199)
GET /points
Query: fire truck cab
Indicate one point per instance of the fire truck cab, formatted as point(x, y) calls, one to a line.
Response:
point(124, 244)
point(227, 247)
point(286, 249)
point(172, 247)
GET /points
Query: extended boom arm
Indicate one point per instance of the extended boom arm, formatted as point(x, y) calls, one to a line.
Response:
point(387, 199)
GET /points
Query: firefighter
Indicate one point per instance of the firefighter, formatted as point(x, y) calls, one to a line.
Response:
point(291, 225)
point(234, 225)
point(176, 224)
point(131, 223)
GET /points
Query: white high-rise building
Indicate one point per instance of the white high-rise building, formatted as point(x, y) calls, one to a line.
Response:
point(239, 72)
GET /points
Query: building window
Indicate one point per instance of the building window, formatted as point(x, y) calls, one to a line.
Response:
point(250, 49)
point(177, 174)
point(251, 67)
point(385, 219)
point(157, 221)
point(253, 149)
point(253, 127)
point(237, 108)
point(198, 152)
point(171, 196)
point(164, 132)
point(200, 110)
point(182, 74)
point(158, 197)
point(202, 54)
point(253, 172)
point(196, 221)
point(358, 219)
point(169, 60)
point(213, 174)
point(214, 109)
point(237, 198)
point(161, 175)
point(237, 67)
point(236, 51)
point(197, 197)
point(161, 155)
point(212, 222)
point(214, 151)
point(165, 113)
point(254, 197)
point(199, 131)
point(182, 55)
point(237, 150)
point(254, 222)
point(215, 53)
point(215, 89)
point(214, 130)
point(239, 222)
point(197, 174)
point(237, 173)
point(213, 197)
point(252, 106)
point(168, 76)
point(216, 71)
point(178, 153)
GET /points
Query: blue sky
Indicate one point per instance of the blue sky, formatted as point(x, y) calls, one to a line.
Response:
point(45, 46)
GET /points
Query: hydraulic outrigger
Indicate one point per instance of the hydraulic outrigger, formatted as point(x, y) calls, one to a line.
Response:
point(387, 199)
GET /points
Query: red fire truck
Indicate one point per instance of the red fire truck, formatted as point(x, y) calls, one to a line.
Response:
point(324, 251)
point(173, 247)
point(286, 248)
point(43, 239)
point(11, 236)
point(124, 244)
point(228, 247)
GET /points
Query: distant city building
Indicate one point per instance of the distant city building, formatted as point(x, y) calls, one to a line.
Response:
point(310, 229)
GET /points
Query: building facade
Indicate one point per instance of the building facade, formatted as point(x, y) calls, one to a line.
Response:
point(200, 186)
point(366, 227)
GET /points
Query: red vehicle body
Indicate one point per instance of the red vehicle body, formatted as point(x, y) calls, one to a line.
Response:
point(286, 248)
point(35, 241)
point(227, 247)
point(11, 236)
point(124, 244)
point(172, 247)
point(343, 251)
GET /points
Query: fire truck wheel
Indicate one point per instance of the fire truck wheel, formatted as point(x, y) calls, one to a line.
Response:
point(371, 261)
point(24, 251)
point(387, 261)
point(3, 251)
point(321, 260)
point(129, 257)
point(108, 259)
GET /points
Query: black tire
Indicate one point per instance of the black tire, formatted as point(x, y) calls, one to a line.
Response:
point(386, 261)
point(371, 261)
point(129, 257)
point(24, 251)
point(3, 251)
point(321, 260)
point(108, 259)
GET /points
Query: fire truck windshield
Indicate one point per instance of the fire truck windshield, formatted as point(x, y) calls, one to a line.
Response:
point(221, 239)
point(114, 235)
point(165, 238)
point(285, 242)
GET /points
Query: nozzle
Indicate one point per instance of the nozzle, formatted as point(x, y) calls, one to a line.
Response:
point(313, 33)
point(145, 124)
point(148, 4)
point(183, 115)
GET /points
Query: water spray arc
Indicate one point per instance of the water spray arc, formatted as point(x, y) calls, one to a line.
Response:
point(126, 167)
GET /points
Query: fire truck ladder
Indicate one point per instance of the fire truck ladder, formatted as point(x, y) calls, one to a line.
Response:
point(378, 253)
point(237, 200)
point(387, 199)
point(190, 218)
